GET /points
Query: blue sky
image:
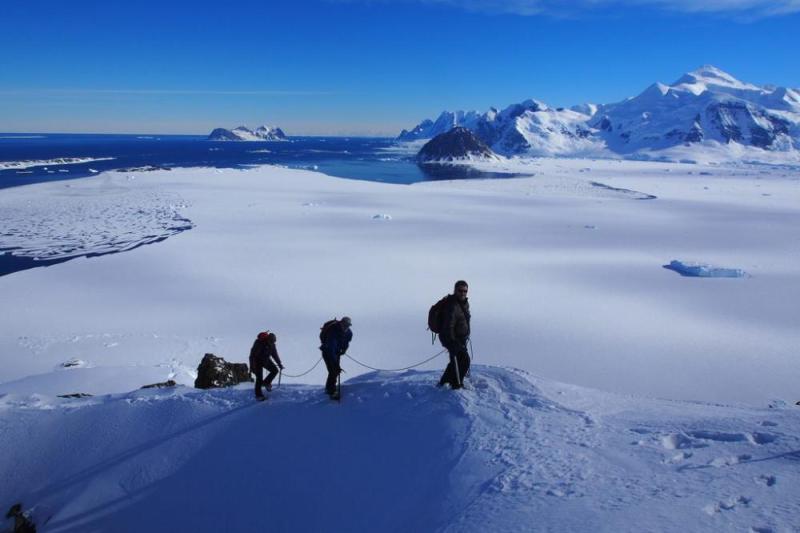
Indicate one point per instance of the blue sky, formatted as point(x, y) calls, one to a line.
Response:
point(347, 67)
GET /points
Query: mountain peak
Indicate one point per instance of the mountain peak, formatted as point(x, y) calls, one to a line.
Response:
point(711, 75)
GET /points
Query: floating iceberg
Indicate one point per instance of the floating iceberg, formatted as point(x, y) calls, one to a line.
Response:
point(700, 270)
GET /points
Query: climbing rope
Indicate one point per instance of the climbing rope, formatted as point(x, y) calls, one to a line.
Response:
point(395, 369)
point(304, 373)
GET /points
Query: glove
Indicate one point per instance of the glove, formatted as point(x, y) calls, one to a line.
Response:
point(280, 366)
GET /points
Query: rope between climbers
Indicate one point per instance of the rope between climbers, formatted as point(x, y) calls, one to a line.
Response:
point(395, 369)
point(304, 373)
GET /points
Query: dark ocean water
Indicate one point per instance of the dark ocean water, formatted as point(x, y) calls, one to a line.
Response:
point(370, 159)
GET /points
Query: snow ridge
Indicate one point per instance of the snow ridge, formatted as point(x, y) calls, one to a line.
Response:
point(510, 453)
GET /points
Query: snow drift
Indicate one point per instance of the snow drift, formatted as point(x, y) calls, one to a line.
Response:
point(512, 453)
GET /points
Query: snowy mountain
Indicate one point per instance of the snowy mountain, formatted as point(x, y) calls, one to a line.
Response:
point(511, 453)
point(705, 109)
point(242, 133)
point(705, 105)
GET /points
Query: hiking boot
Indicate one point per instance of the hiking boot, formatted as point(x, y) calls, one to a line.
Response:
point(268, 387)
point(261, 398)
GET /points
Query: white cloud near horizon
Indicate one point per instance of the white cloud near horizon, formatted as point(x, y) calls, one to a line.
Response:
point(751, 8)
point(160, 92)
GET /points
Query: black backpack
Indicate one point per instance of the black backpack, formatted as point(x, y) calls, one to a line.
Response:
point(326, 329)
point(436, 317)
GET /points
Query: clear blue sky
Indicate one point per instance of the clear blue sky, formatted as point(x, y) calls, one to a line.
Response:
point(360, 66)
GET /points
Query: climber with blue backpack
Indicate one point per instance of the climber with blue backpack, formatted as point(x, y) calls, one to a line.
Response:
point(334, 336)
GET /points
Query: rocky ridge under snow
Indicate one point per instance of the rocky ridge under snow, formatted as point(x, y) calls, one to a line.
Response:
point(706, 108)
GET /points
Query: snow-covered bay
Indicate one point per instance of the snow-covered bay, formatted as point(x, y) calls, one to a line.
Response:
point(567, 283)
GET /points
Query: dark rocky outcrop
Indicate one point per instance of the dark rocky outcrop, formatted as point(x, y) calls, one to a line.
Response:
point(22, 520)
point(458, 143)
point(215, 372)
point(75, 395)
point(162, 385)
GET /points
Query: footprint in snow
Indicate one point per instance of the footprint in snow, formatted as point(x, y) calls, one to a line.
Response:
point(769, 481)
point(677, 458)
point(726, 505)
point(679, 441)
point(752, 438)
point(730, 461)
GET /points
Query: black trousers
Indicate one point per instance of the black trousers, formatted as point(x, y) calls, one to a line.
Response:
point(258, 370)
point(332, 364)
point(461, 355)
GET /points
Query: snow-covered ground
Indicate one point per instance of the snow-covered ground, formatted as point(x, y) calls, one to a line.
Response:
point(511, 453)
point(567, 282)
point(565, 268)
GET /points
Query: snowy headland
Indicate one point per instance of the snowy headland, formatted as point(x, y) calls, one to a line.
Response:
point(567, 284)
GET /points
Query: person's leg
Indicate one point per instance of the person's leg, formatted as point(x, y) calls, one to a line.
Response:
point(463, 364)
point(259, 372)
point(272, 368)
point(330, 364)
point(449, 373)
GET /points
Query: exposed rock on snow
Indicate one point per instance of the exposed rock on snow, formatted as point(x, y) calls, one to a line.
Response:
point(164, 384)
point(458, 144)
point(22, 520)
point(242, 133)
point(215, 372)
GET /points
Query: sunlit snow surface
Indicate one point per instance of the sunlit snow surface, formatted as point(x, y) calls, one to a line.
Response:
point(566, 282)
point(512, 452)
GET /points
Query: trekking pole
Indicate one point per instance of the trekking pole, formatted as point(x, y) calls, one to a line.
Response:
point(471, 358)
point(458, 372)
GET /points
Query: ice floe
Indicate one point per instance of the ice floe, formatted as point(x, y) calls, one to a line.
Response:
point(702, 270)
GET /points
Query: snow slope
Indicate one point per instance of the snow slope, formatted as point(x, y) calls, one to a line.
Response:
point(565, 268)
point(511, 453)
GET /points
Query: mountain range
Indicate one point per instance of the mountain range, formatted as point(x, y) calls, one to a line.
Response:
point(706, 108)
point(242, 133)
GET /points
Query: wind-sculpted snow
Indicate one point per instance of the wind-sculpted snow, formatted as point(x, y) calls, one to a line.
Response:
point(88, 219)
point(509, 453)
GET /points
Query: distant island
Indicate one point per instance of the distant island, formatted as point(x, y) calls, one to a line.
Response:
point(242, 133)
